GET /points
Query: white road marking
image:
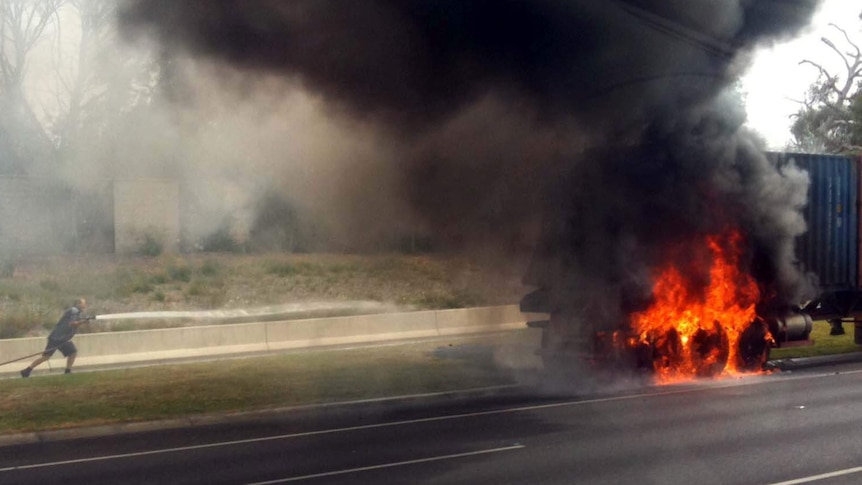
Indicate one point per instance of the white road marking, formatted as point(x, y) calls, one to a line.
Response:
point(719, 385)
point(824, 476)
point(388, 465)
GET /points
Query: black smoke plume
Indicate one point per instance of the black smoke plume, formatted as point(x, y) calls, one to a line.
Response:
point(612, 120)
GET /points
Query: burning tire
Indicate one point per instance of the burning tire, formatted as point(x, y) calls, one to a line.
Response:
point(709, 351)
point(667, 350)
point(754, 345)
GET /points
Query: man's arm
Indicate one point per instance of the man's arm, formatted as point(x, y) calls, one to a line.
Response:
point(82, 319)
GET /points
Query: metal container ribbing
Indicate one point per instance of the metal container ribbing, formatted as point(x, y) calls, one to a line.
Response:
point(829, 248)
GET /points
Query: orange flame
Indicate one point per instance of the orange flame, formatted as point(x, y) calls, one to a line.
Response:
point(692, 333)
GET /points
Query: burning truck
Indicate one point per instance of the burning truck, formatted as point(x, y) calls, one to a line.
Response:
point(722, 320)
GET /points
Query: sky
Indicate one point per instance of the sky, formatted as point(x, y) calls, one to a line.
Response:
point(776, 78)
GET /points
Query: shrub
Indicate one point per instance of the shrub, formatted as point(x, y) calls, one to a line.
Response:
point(49, 285)
point(281, 225)
point(159, 279)
point(151, 246)
point(281, 269)
point(124, 282)
point(196, 288)
point(141, 287)
point(216, 298)
point(211, 293)
point(221, 241)
point(17, 323)
point(210, 268)
point(180, 273)
point(12, 326)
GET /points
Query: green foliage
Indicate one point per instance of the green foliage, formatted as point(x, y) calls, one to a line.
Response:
point(221, 241)
point(830, 120)
point(855, 128)
point(443, 300)
point(141, 286)
point(210, 292)
point(282, 270)
point(196, 288)
point(180, 273)
point(20, 320)
point(14, 325)
point(822, 343)
point(281, 225)
point(151, 246)
point(49, 285)
point(210, 268)
point(159, 279)
point(123, 283)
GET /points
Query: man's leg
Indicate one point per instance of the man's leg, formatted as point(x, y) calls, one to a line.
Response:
point(39, 361)
point(26, 372)
point(70, 360)
point(70, 352)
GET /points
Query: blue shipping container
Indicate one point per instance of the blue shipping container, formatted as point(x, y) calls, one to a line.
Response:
point(829, 248)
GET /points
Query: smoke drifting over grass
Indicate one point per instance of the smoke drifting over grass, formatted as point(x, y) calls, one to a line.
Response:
point(615, 121)
point(271, 137)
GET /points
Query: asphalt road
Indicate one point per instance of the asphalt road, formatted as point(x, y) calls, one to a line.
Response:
point(785, 428)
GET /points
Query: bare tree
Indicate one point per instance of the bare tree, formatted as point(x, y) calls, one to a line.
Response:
point(100, 82)
point(83, 87)
point(23, 25)
point(830, 118)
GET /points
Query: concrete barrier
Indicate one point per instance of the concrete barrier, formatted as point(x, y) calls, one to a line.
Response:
point(170, 344)
point(350, 330)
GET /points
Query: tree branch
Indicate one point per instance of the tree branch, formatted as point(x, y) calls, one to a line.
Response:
point(835, 49)
point(823, 71)
point(849, 41)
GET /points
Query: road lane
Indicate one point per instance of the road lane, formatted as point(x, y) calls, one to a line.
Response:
point(384, 466)
point(763, 429)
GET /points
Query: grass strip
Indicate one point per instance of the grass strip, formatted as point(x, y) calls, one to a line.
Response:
point(54, 401)
point(824, 344)
point(173, 391)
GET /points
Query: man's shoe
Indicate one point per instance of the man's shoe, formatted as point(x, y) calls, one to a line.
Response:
point(26, 372)
point(68, 371)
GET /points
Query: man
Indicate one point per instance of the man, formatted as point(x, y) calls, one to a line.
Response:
point(61, 337)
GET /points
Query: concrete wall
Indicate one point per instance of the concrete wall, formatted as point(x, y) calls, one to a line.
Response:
point(116, 348)
point(210, 205)
point(36, 216)
point(146, 207)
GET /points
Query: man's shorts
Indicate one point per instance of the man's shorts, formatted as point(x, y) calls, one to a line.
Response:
point(67, 348)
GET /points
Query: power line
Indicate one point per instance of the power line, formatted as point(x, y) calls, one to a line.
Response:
point(680, 32)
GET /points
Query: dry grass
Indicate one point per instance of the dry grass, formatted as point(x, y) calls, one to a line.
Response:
point(34, 293)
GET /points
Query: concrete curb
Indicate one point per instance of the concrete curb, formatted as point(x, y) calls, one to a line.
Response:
point(811, 362)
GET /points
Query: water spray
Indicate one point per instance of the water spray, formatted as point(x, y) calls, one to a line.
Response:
point(292, 310)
